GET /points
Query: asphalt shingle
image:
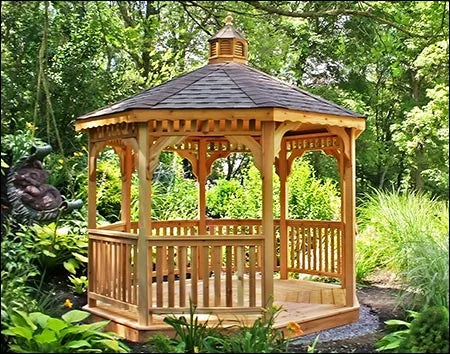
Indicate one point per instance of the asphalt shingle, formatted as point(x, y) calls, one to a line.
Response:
point(224, 85)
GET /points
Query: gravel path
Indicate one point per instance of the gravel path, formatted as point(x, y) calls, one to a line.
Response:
point(368, 323)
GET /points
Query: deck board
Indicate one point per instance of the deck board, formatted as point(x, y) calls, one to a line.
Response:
point(304, 302)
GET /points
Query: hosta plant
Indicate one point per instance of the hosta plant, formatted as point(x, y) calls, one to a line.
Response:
point(39, 333)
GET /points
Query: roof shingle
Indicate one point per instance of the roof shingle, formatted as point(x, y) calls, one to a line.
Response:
point(225, 85)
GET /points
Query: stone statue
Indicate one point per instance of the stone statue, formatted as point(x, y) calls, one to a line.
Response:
point(29, 195)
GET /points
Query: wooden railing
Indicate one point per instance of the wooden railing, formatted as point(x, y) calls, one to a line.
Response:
point(315, 247)
point(216, 270)
point(227, 261)
point(112, 268)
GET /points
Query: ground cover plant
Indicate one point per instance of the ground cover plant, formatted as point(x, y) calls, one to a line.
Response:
point(39, 333)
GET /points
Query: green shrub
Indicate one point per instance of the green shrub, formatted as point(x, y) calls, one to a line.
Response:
point(227, 199)
point(311, 197)
point(17, 271)
point(175, 200)
point(407, 234)
point(56, 246)
point(427, 333)
point(109, 185)
point(39, 333)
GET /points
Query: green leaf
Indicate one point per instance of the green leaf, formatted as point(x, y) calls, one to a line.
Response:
point(80, 257)
point(71, 266)
point(39, 318)
point(56, 324)
point(78, 344)
point(112, 344)
point(397, 323)
point(75, 316)
point(48, 253)
point(21, 319)
point(23, 332)
point(392, 345)
point(18, 349)
point(47, 336)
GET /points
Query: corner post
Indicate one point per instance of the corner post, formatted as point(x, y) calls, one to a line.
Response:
point(268, 129)
point(145, 190)
point(126, 187)
point(349, 219)
point(283, 212)
point(92, 211)
point(202, 206)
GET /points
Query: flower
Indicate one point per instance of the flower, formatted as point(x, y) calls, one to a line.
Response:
point(196, 350)
point(294, 328)
point(68, 303)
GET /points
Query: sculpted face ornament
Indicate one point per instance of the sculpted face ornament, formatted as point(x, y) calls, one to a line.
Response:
point(30, 196)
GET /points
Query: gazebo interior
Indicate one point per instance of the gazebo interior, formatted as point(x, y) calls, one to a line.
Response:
point(142, 270)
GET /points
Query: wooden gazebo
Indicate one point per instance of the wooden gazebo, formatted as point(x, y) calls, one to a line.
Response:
point(141, 270)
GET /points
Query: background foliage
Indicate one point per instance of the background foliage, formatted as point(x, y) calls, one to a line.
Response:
point(387, 60)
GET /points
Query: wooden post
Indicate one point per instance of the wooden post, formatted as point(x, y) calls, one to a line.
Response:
point(283, 212)
point(349, 196)
point(268, 129)
point(202, 175)
point(145, 186)
point(92, 214)
point(126, 187)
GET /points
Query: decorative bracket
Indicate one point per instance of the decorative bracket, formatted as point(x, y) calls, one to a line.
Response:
point(157, 148)
point(252, 144)
point(282, 129)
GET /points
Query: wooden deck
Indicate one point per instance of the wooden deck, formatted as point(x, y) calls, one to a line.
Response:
point(315, 306)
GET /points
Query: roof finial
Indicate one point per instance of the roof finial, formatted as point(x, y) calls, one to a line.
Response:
point(229, 19)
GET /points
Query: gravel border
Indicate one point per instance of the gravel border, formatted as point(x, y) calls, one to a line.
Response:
point(368, 323)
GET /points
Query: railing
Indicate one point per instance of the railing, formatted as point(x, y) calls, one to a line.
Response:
point(227, 261)
point(315, 247)
point(112, 268)
point(217, 270)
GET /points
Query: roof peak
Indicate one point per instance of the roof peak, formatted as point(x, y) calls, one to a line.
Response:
point(228, 44)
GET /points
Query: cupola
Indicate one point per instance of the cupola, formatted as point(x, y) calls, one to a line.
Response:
point(228, 45)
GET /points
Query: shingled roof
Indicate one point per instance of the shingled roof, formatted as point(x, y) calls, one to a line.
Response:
point(221, 86)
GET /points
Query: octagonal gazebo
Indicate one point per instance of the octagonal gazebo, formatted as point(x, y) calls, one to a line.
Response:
point(139, 271)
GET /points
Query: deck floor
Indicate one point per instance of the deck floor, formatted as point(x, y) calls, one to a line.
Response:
point(314, 305)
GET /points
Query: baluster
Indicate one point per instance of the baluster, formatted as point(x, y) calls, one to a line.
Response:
point(205, 275)
point(228, 277)
point(240, 257)
point(333, 251)
point(252, 276)
point(194, 276)
point(339, 248)
point(291, 246)
point(182, 274)
point(327, 235)
point(171, 276)
point(159, 276)
point(217, 256)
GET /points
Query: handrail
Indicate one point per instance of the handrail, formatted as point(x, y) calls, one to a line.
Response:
point(111, 233)
point(206, 238)
point(114, 226)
